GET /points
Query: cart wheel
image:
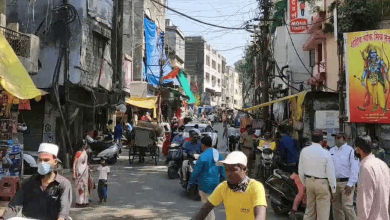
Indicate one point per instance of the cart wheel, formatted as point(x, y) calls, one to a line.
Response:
point(131, 154)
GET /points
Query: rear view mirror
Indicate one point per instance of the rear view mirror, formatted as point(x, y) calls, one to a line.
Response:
point(215, 131)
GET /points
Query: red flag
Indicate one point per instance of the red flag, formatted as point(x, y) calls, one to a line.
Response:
point(172, 74)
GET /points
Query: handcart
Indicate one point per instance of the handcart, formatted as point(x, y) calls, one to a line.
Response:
point(144, 143)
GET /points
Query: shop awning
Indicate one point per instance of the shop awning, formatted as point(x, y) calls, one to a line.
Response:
point(182, 76)
point(300, 95)
point(148, 102)
point(14, 77)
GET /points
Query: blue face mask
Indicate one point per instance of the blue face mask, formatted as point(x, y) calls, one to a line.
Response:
point(44, 168)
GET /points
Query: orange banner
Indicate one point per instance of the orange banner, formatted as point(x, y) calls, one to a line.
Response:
point(367, 73)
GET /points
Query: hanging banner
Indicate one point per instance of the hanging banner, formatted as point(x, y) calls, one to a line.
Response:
point(367, 65)
point(299, 14)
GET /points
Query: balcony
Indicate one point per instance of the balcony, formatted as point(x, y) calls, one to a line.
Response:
point(316, 22)
point(19, 42)
point(315, 38)
point(25, 46)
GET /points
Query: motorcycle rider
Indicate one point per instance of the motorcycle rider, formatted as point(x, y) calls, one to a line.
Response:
point(207, 173)
point(47, 196)
point(190, 149)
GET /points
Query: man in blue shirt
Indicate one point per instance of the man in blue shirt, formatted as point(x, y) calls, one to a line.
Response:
point(288, 151)
point(190, 149)
point(118, 134)
point(206, 173)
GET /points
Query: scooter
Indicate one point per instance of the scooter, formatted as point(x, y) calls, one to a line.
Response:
point(175, 159)
point(192, 192)
point(108, 149)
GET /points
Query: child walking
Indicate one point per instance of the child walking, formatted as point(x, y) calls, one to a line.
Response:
point(104, 170)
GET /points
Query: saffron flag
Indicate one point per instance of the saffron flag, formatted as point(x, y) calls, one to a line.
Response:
point(172, 74)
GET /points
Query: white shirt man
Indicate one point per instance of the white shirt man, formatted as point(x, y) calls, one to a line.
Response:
point(347, 171)
point(316, 172)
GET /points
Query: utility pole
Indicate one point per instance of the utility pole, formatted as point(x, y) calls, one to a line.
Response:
point(341, 83)
point(264, 55)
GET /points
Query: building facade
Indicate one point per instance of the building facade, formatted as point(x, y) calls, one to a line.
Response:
point(206, 67)
point(174, 44)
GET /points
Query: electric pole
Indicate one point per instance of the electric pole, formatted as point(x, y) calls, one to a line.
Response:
point(265, 60)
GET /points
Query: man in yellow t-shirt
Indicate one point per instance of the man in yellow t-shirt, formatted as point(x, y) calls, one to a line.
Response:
point(243, 198)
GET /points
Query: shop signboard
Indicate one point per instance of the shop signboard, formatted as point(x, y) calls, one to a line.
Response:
point(367, 65)
point(299, 14)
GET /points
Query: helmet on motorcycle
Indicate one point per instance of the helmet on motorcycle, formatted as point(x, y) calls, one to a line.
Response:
point(194, 133)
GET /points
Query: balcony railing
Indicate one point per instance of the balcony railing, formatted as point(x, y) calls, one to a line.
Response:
point(19, 42)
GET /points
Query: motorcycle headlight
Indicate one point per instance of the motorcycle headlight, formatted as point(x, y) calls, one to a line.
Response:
point(267, 156)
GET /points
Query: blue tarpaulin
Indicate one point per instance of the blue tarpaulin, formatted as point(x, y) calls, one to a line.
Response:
point(154, 52)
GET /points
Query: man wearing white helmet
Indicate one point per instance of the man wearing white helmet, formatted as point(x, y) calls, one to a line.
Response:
point(45, 196)
point(243, 198)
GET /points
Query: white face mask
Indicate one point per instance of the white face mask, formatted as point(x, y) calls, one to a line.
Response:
point(44, 168)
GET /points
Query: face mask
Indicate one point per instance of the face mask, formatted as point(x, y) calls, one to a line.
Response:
point(375, 145)
point(44, 168)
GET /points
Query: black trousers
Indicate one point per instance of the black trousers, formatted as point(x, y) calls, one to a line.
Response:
point(232, 143)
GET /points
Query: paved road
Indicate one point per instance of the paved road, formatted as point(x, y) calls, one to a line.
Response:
point(145, 192)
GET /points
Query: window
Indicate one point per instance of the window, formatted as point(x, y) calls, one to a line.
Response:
point(99, 42)
point(207, 77)
point(207, 60)
point(219, 68)
point(214, 65)
point(219, 81)
point(235, 102)
point(236, 92)
point(312, 54)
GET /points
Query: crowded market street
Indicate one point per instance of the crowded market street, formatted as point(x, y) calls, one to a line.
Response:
point(145, 192)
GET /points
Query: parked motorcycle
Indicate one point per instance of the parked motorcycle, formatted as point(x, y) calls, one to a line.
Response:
point(267, 163)
point(175, 159)
point(282, 192)
point(109, 150)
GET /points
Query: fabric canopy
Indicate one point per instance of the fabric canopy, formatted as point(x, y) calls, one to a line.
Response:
point(182, 76)
point(148, 103)
point(300, 95)
point(14, 77)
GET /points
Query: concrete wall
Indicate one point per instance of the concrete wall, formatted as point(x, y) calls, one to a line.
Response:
point(174, 39)
point(84, 67)
point(280, 44)
point(296, 70)
point(195, 61)
point(332, 62)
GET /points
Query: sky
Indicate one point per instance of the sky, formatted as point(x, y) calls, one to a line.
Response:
point(229, 13)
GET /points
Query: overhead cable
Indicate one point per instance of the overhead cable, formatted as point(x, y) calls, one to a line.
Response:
point(197, 20)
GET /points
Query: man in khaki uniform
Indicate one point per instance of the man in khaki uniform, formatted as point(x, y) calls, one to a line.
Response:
point(316, 172)
point(347, 171)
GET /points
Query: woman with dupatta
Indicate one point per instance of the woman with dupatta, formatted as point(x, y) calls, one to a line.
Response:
point(80, 175)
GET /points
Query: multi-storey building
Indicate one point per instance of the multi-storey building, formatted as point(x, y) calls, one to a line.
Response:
point(205, 66)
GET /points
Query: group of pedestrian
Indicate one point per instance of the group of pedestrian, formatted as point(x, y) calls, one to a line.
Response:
point(330, 178)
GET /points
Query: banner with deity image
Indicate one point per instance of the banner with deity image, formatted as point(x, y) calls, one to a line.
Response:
point(367, 74)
